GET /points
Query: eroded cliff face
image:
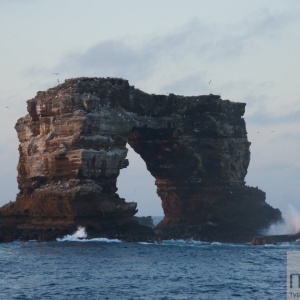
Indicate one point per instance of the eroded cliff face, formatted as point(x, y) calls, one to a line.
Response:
point(73, 146)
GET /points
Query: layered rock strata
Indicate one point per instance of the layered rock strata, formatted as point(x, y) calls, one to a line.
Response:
point(73, 146)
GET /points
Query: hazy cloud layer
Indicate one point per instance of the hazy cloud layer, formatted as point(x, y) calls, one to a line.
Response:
point(246, 61)
point(195, 41)
point(185, 60)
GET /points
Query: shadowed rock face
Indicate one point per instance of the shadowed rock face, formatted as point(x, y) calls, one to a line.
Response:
point(73, 146)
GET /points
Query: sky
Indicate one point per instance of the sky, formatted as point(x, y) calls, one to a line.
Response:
point(248, 49)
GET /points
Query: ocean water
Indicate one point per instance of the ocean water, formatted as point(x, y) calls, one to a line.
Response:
point(77, 268)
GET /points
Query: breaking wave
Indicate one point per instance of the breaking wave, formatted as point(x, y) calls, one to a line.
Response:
point(191, 243)
point(291, 224)
point(81, 236)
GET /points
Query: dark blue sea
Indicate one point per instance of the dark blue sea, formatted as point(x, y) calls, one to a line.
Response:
point(74, 268)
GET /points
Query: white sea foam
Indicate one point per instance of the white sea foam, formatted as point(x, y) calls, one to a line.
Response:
point(146, 243)
point(81, 236)
point(184, 243)
point(216, 244)
point(291, 224)
point(193, 243)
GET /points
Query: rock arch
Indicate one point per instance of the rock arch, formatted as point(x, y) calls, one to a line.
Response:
point(73, 146)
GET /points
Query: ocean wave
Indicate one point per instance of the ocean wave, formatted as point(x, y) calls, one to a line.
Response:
point(147, 243)
point(194, 243)
point(180, 242)
point(81, 236)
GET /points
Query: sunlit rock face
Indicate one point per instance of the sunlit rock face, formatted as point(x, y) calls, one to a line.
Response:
point(73, 146)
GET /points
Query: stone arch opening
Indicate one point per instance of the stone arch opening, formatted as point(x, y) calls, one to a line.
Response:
point(135, 183)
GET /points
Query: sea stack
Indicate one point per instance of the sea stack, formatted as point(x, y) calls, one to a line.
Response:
point(73, 146)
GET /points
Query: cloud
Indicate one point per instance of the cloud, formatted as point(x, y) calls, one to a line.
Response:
point(189, 51)
point(120, 58)
point(110, 56)
point(212, 41)
point(261, 117)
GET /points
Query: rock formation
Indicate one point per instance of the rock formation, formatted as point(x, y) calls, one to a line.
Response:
point(276, 239)
point(73, 146)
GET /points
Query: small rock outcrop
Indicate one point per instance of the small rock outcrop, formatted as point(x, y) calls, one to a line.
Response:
point(276, 239)
point(73, 146)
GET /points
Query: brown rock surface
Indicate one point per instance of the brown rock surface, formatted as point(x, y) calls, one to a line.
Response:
point(73, 146)
point(276, 239)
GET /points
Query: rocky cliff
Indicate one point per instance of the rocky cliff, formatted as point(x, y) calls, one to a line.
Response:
point(73, 146)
